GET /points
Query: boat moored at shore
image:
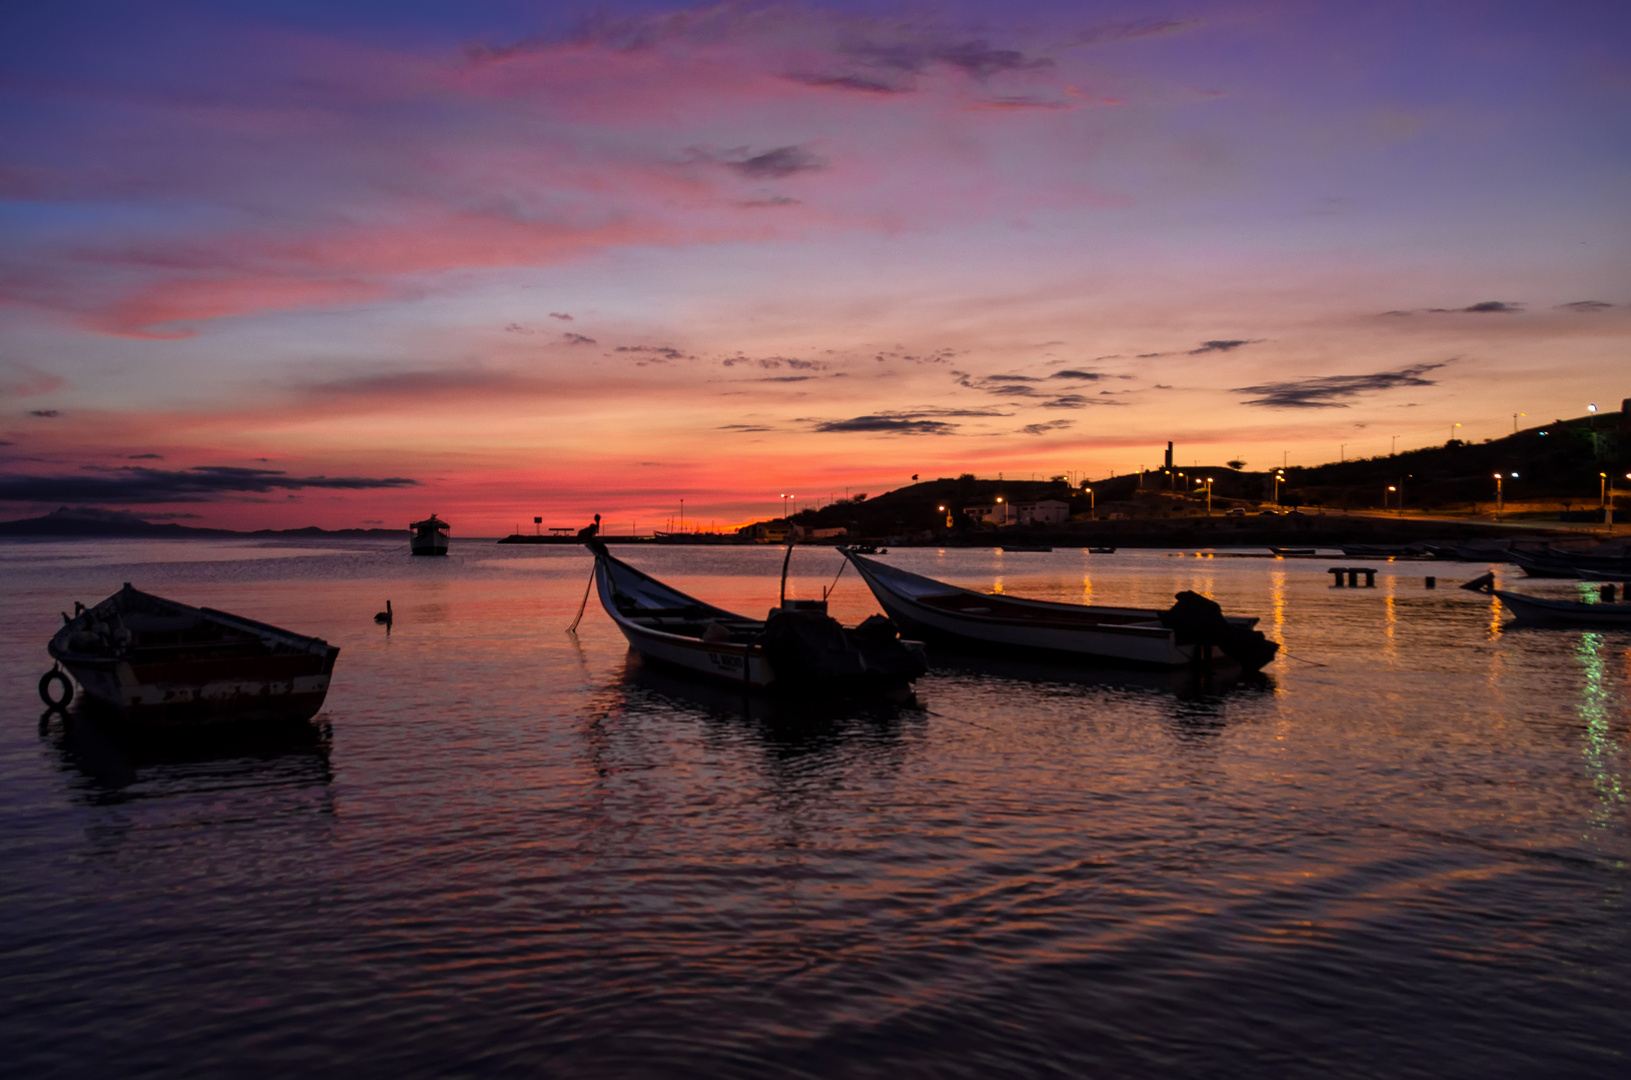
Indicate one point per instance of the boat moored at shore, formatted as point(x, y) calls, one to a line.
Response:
point(1192, 631)
point(153, 661)
point(797, 647)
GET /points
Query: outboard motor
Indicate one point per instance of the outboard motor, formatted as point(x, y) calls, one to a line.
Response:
point(1199, 621)
point(808, 648)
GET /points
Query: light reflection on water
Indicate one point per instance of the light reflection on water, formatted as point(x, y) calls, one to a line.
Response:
point(514, 850)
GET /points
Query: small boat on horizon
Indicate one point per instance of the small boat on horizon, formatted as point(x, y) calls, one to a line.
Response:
point(797, 646)
point(1026, 547)
point(153, 661)
point(1101, 550)
point(1282, 551)
point(428, 537)
point(1193, 631)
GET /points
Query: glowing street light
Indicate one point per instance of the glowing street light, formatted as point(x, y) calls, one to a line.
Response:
point(1500, 499)
point(1279, 478)
point(1452, 431)
point(943, 510)
point(1092, 500)
point(1208, 483)
point(1386, 495)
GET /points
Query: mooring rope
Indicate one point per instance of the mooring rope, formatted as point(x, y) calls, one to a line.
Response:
point(574, 627)
point(830, 589)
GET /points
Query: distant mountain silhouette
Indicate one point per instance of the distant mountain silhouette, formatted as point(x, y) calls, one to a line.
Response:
point(92, 522)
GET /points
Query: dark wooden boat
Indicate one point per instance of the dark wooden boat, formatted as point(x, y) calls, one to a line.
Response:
point(796, 646)
point(1193, 631)
point(428, 537)
point(1537, 611)
point(149, 660)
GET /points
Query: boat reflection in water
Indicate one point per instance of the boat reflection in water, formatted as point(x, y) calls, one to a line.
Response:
point(118, 759)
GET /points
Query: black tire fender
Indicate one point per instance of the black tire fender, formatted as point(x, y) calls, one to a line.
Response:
point(55, 675)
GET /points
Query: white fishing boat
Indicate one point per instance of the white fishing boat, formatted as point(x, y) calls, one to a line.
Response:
point(428, 537)
point(149, 660)
point(1535, 610)
point(1193, 631)
point(798, 644)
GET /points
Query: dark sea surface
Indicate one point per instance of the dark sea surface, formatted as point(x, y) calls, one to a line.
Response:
point(511, 851)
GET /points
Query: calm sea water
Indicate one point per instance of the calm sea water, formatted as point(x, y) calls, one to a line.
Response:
point(511, 851)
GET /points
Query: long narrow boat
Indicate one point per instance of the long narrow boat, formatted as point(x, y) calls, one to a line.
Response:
point(1192, 631)
point(1535, 610)
point(797, 645)
point(154, 661)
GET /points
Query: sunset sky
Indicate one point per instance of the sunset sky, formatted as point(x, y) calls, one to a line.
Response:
point(280, 264)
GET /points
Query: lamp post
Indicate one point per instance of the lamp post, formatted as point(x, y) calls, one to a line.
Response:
point(1386, 495)
point(1092, 501)
point(1452, 431)
point(1279, 478)
point(943, 510)
point(1208, 483)
point(1515, 421)
point(1602, 498)
point(1004, 510)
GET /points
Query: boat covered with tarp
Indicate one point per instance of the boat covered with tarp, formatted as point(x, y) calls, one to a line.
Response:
point(159, 662)
point(797, 646)
point(1193, 631)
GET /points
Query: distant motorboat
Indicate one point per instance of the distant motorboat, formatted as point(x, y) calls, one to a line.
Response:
point(1101, 551)
point(1292, 550)
point(1026, 547)
point(1193, 631)
point(797, 647)
point(428, 537)
point(1536, 611)
point(154, 661)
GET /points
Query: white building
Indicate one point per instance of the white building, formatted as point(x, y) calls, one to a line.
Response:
point(1043, 512)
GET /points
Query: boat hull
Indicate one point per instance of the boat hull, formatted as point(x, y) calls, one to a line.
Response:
point(273, 690)
point(1535, 611)
point(427, 545)
point(815, 655)
point(1142, 643)
point(158, 663)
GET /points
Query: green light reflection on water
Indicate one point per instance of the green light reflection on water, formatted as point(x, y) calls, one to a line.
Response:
point(1593, 709)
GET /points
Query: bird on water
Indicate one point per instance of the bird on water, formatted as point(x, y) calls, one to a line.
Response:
point(588, 531)
point(384, 617)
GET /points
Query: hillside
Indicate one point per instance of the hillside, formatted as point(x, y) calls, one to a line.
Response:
point(1558, 467)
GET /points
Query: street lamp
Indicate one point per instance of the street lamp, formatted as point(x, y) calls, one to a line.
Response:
point(1208, 483)
point(1279, 478)
point(1092, 500)
point(1004, 510)
point(1452, 431)
point(943, 510)
point(1387, 495)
